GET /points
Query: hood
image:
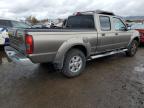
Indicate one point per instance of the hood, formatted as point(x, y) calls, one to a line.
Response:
point(135, 33)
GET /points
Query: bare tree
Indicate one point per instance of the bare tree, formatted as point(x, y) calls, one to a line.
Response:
point(33, 20)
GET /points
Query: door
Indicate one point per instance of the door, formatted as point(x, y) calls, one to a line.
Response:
point(106, 41)
point(122, 35)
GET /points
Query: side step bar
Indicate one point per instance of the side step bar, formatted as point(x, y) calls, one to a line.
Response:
point(108, 54)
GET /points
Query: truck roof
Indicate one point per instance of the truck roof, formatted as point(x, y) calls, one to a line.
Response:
point(96, 12)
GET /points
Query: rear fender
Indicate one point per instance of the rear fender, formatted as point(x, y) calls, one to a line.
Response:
point(65, 47)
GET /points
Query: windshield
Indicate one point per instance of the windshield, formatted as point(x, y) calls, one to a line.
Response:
point(17, 24)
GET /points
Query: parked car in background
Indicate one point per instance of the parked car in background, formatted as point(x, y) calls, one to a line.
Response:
point(59, 25)
point(40, 26)
point(140, 28)
point(86, 36)
point(7, 23)
point(13, 24)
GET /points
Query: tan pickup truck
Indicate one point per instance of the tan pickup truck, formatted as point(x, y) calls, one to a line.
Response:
point(84, 36)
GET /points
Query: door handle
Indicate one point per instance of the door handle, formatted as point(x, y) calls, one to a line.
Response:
point(116, 33)
point(103, 34)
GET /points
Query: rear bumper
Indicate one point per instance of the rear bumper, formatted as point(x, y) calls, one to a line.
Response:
point(16, 56)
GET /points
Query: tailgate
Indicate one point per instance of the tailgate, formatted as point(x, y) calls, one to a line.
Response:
point(17, 39)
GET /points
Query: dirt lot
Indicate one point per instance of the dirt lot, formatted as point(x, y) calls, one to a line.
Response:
point(111, 82)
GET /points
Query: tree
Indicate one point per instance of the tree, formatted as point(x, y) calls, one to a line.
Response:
point(33, 20)
point(28, 19)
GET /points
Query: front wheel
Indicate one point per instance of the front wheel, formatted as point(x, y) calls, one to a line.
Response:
point(132, 48)
point(74, 63)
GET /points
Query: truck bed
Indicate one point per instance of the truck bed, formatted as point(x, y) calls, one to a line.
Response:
point(47, 41)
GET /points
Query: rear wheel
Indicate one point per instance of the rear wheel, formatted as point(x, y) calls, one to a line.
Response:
point(74, 63)
point(132, 48)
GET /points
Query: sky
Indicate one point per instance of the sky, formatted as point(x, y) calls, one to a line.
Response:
point(53, 9)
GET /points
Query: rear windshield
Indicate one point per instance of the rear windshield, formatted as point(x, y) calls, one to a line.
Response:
point(80, 22)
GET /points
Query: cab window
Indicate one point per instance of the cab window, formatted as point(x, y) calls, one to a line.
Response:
point(105, 23)
point(80, 22)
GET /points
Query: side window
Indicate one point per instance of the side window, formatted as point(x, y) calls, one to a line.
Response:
point(118, 24)
point(105, 23)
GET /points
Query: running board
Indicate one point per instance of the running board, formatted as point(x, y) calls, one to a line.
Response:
point(108, 54)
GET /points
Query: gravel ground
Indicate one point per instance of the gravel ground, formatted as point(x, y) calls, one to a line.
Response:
point(111, 82)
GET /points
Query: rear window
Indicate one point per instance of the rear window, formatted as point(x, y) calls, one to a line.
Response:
point(80, 22)
point(5, 23)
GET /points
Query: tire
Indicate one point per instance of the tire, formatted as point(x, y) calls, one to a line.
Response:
point(132, 49)
point(1, 47)
point(74, 63)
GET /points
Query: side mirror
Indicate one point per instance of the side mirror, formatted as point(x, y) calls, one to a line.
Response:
point(129, 28)
point(124, 29)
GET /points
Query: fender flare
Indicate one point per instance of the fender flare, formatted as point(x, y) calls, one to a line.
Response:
point(65, 47)
point(135, 34)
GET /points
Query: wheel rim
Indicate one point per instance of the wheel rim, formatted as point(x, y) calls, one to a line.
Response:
point(75, 64)
point(133, 49)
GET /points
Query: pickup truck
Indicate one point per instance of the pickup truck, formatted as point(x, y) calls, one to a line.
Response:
point(85, 36)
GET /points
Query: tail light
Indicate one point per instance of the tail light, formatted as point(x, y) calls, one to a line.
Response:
point(29, 44)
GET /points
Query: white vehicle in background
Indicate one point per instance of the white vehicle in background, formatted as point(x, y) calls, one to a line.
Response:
point(3, 36)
